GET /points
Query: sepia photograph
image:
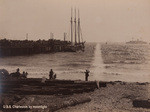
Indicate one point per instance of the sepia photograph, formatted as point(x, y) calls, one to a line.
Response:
point(74, 55)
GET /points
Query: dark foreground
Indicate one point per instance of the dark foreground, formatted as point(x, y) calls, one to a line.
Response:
point(74, 96)
point(20, 92)
point(116, 97)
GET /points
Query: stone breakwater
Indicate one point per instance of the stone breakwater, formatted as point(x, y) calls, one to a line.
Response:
point(28, 47)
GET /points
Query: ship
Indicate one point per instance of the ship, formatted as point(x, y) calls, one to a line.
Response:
point(76, 40)
point(136, 42)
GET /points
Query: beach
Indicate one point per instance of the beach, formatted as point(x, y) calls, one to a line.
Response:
point(115, 97)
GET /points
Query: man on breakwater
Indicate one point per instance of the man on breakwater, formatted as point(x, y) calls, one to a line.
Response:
point(86, 75)
point(18, 71)
point(51, 74)
point(18, 74)
point(54, 76)
point(24, 74)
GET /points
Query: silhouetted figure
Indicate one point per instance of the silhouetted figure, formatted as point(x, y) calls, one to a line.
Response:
point(18, 70)
point(54, 76)
point(26, 74)
point(18, 74)
point(23, 75)
point(86, 75)
point(51, 74)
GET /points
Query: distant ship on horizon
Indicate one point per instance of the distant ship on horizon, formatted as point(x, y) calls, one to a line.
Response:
point(136, 42)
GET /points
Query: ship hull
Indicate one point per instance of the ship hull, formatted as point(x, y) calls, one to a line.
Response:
point(75, 48)
point(136, 42)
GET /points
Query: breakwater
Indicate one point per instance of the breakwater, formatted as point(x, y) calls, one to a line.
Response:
point(29, 47)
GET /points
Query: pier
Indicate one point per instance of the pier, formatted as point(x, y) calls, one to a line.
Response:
point(29, 47)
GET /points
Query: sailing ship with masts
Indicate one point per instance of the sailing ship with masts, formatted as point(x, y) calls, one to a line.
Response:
point(76, 43)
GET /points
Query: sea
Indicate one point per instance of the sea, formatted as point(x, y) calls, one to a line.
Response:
point(72, 65)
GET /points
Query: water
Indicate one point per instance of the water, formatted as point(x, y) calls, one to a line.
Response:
point(98, 67)
point(73, 65)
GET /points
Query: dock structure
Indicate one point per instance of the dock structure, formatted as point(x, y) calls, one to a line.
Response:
point(28, 47)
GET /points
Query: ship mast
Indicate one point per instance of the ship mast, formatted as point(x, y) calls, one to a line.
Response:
point(71, 28)
point(75, 28)
point(78, 27)
point(27, 36)
point(65, 36)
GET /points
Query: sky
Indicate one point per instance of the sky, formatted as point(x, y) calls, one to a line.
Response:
point(101, 20)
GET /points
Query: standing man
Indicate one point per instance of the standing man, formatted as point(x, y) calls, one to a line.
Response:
point(18, 73)
point(86, 75)
point(51, 74)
